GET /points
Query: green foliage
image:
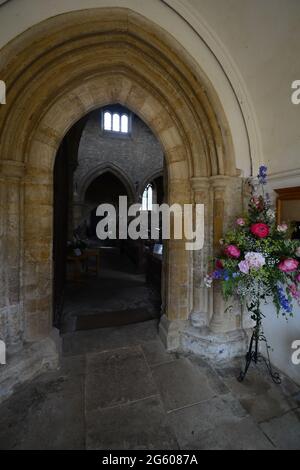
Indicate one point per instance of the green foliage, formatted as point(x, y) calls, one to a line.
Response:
point(260, 266)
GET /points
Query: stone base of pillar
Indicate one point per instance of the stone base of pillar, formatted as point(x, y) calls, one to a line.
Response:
point(198, 319)
point(29, 362)
point(170, 332)
point(214, 346)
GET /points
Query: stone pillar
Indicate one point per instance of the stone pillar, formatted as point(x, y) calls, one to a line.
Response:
point(200, 312)
point(32, 344)
point(38, 245)
point(227, 204)
point(223, 338)
point(11, 307)
point(177, 276)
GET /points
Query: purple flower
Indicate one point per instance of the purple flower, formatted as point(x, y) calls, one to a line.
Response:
point(283, 300)
point(244, 267)
point(262, 174)
point(218, 274)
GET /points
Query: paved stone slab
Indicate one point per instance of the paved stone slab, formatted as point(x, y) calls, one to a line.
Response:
point(149, 401)
point(48, 414)
point(140, 425)
point(181, 384)
point(284, 431)
point(156, 353)
point(73, 365)
point(117, 377)
point(107, 339)
point(216, 382)
point(259, 396)
point(220, 423)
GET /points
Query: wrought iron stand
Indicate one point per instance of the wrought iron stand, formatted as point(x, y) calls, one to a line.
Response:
point(253, 354)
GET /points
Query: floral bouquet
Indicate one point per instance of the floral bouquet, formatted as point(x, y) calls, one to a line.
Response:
point(259, 260)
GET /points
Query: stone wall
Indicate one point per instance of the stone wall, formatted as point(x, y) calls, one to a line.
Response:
point(135, 158)
point(90, 59)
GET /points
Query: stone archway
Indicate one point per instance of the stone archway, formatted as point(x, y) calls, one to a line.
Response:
point(60, 70)
point(79, 207)
point(98, 171)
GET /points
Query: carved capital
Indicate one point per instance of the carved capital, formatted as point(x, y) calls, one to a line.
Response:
point(200, 183)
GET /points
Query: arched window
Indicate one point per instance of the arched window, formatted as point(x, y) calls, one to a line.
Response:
point(116, 121)
point(147, 200)
point(107, 121)
point(124, 123)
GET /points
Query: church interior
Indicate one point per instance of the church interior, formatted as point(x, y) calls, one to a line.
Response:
point(111, 342)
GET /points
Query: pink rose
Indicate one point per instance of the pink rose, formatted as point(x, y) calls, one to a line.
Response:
point(294, 291)
point(232, 251)
point(260, 230)
point(241, 222)
point(288, 265)
point(244, 267)
point(298, 277)
point(258, 202)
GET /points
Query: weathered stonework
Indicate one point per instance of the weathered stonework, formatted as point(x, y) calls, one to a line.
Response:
point(136, 159)
point(90, 59)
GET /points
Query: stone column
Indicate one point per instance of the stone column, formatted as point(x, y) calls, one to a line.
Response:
point(38, 246)
point(11, 201)
point(227, 204)
point(223, 338)
point(200, 312)
point(25, 278)
point(177, 277)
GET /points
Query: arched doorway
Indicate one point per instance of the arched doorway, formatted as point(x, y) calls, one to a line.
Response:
point(90, 59)
point(103, 282)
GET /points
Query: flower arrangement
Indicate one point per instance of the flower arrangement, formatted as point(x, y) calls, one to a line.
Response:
point(259, 260)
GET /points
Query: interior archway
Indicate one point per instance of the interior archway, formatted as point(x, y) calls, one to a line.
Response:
point(80, 61)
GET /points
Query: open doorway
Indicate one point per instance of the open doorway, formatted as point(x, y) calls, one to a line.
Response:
point(101, 283)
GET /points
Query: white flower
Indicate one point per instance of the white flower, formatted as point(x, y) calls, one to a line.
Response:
point(208, 280)
point(282, 228)
point(255, 260)
point(271, 215)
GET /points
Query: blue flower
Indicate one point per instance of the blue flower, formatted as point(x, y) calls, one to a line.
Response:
point(262, 174)
point(217, 274)
point(234, 275)
point(283, 300)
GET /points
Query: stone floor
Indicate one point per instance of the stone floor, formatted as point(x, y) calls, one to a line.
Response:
point(119, 287)
point(119, 389)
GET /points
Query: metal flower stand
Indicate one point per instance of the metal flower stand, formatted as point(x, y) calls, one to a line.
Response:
point(253, 354)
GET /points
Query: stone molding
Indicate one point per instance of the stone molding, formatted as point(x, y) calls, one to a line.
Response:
point(12, 169)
